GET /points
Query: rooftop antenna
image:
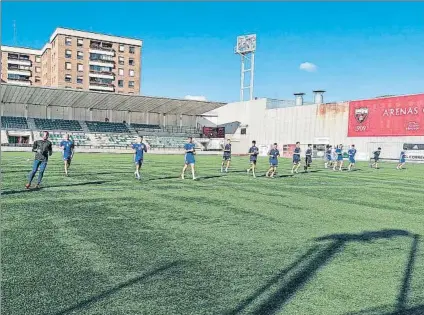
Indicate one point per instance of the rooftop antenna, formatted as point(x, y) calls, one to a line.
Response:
point(14, 33)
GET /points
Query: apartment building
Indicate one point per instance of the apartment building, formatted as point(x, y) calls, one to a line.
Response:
point(78, 60)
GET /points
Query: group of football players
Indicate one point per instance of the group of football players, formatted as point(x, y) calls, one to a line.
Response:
point(333, 157)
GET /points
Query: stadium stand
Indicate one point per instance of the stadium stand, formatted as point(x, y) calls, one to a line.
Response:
point(10, 122)
point(104, 140)
point(145, 127)
point(53, 107)
point(166, 142)
point(57, 137)
point(57, 124)
point(106, 127)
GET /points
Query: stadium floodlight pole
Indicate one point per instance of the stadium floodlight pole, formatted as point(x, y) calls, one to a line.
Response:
point(242, 79)
point(246, 48)
point(252, 72)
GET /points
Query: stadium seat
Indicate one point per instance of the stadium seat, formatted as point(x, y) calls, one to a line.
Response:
point(106, 127)
point(10, 122)
point(57, 124)
point(138, 127)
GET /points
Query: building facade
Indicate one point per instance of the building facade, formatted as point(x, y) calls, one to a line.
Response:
point(78, 60)
point(319, 124)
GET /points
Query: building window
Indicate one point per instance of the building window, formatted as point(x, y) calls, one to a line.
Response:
point(80, 67)
point(68, 41)
point(121, 60)
point(68, 53)
point(37, 79)
point(37, 69)
point(131, 73)
point(121, 83)
point(131, 62)
point(121, 71)
point(79, 80)
point(132, 49)
point(131, 84)
point(37, 59)
point(80, 55)
point(68, 66)
point(80, 42)
point(68, 78)
point(121, 47)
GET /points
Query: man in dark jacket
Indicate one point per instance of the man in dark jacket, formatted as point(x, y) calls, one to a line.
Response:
point(43, 149)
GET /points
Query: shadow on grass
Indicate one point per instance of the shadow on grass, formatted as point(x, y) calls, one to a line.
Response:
point(24, 191)
point(105, 294)
point(305, 268)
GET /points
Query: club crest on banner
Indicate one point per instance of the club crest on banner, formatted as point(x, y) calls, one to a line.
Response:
point(361, 114)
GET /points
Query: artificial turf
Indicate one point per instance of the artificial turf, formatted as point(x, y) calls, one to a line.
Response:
point(101, 242)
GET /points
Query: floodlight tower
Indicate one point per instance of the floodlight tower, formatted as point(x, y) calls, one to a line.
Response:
point(246, 48)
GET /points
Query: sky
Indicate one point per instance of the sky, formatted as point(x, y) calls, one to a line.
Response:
point(353, 50)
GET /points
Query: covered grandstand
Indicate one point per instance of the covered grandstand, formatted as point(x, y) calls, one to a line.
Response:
point(97, 119)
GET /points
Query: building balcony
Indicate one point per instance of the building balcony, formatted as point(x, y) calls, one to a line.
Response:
point(27, 73)
point(102, 63)
point(98, 47)
point(101, 51)
point(19, 81)
point(102, 74)
point(96, 86)
point(17, 61)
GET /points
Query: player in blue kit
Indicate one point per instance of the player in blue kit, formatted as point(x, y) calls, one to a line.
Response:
point(328, 157)
point(308, 157)
point(253, 153)
point(402, 160)
point(190, 151)
point(67, 146)
point(296, 158)
point(273, 154)
point(226, 157)
point(351, 153)
point(339, 162)
point(139, 149)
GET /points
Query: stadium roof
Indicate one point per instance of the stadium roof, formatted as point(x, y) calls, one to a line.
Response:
point(47, 96)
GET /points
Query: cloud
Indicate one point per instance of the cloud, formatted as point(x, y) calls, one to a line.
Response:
point(308, 66)
point(195, 98)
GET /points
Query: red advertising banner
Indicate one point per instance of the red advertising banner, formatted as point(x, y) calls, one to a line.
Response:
point(288, 150)
point(387, 117)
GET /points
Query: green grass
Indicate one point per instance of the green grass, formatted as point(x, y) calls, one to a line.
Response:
point(100, 242)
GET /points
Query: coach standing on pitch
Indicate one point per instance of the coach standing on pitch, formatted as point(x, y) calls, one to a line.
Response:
point(43, 149)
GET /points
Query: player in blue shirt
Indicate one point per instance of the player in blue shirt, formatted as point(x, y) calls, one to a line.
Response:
point(273, 154)
point(351, 153)
point(226, 157)
point(339, 162)
point(190, 151)
point(67, 146)
point(402, 160)
point(296, 158)
point(139, 149)
point(253, 154)
point(328, 158)
point(308, 157)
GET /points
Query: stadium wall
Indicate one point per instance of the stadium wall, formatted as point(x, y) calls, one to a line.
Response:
point(59, 112)
point(316, 124)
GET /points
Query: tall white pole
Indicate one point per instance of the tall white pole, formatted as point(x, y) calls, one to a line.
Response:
point(242, 79)
point(252, 72)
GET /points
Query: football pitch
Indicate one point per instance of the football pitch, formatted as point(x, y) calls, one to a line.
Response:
point(101, 242)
